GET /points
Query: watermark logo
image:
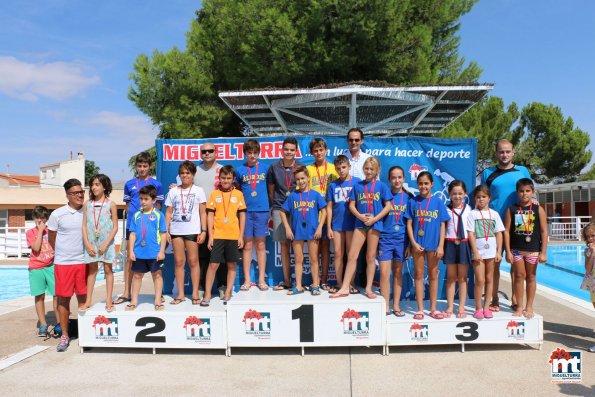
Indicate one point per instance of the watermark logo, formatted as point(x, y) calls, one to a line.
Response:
point(414, 171)
point(419, 332)
point(257, 323)
point(355, 323)
point(105, 328)
point(566, 366)
point(515, 329)
point(198, 329)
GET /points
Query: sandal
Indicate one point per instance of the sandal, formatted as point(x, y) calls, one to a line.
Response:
point(205, 302)
point(263, 286)
point(130, 307)
point(331, 289)
point(295, 291)
point(487, 314)
point(245, 287)
point(337, 295)
point(418, 316)
point(447, 314)
point(495, 307)
point(160, 307)
point(281, 287)
point(196, 301)
point(399, 313)
point(177, 301)
point(120, 300)
point(370, 295)
point(315, 291)
point(353, 290)
point(436, 315)
point(478, 314)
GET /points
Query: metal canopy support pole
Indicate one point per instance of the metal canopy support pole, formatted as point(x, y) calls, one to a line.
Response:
point(353, 111)
point(276, 114)
point(312, 119)
point(425, 112)
point(396, 116)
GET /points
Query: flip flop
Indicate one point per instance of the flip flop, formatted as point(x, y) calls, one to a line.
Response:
point(495, 308)
point(245, 287)
point(177, 301)
point(160, 307)
point(399, 313)
point(436, 315)
point(120, 300)
point(196, 301)
point(263, 287)
point(315, 291)
point(370, 295)
point(130, 307)
point(225, 300)
point(295, 291)
point(447, 314)
point(336, 295)
point(331, 289)
point(205, 302)
point(353, 290)
point(418, 316)
point(281, 287)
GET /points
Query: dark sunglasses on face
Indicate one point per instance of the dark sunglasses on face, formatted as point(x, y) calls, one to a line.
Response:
point(354, 140)
point(79, 192)
point(205, 151)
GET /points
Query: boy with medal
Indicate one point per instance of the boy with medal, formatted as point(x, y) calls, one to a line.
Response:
point(226, 218)
point(250, 179)
point(307, 212)
point(147, 241)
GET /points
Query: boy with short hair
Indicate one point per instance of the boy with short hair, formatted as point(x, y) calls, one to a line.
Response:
point(226, 218)
point(525, 241)
point(41, 268)
point(147, 245)
point(250, 178)
point(340, 221)
point(131, 198)
point(65, 235)
point(280, 183)
point(321, 174)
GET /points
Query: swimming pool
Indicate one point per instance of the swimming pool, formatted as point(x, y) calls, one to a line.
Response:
point(563, 271)
point(14, 282)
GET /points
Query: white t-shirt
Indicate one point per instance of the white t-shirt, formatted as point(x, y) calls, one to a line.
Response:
point(454, 218)
point(68, 225)
point(357, 165)
point(482, 223)
point(186, 209)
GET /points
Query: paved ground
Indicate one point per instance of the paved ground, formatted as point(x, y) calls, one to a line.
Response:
point(427, 370)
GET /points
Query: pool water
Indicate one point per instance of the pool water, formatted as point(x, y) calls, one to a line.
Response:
point(14, 282)
point(563, 271)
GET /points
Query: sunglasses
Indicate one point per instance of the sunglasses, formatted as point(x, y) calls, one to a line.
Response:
point(354, 140)
point(207, 151)
point(79, 192)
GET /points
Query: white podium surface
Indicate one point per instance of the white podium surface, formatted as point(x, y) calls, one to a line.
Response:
point(178, 326)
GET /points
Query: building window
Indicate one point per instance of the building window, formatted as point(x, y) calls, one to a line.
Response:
point(3, 220)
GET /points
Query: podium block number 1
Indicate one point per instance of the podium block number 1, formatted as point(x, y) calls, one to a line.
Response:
point(305, 314)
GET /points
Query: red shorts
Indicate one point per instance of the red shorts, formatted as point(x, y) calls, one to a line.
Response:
point(70, 279)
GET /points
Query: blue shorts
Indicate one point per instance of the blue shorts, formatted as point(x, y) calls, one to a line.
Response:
point(257, 224)
point(390, 248)
point(146, 265)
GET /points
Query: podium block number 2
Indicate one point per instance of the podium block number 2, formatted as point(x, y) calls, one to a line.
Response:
point(305, 314)
point(146, 334)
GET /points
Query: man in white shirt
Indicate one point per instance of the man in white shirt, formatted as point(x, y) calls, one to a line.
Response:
point(355, 140)
point(65, 235)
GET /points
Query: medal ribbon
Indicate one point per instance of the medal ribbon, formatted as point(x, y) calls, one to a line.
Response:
point(187, 199)
point(398, 215)
point(526, 225)
point(228, 201)
point(96, 219)
point(304, 207)
point(138, 186)
point(288, 179)
point(483, 225)
point(253, 181)
point(143, 228)
point(322, 183)
point(370, 197)
point(456, 224)
point(421, 218)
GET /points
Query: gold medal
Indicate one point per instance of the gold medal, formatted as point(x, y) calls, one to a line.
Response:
point(96, 234)
point(528, 239)
point(397, 228)
point(254, 194)
point(287, 193)
point(420, 232)
point(143, 243)
point(225, 220)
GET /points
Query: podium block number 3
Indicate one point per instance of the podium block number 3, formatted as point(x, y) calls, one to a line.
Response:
point(305, 314)
point(469, 331)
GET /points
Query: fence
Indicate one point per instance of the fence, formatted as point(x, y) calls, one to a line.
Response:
point(567, 228)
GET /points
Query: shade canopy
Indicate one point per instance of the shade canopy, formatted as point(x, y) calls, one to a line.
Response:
point(385, 110)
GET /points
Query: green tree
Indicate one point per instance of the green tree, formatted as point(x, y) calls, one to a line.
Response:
point(488, 121)
point(245, 44)
point(589, 175)
point(90, 170)
point(550, 145)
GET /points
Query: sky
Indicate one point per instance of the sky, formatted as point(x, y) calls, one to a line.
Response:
point(64, 72)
